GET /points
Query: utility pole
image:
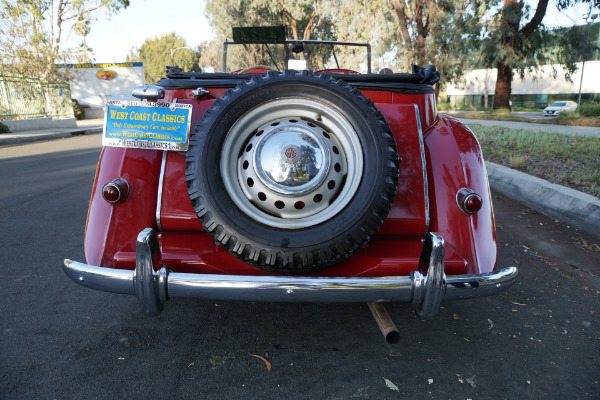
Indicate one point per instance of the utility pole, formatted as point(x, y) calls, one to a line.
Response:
point(587, 45)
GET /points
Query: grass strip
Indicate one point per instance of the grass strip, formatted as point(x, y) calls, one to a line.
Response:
point(562, 119)
point(572, 161)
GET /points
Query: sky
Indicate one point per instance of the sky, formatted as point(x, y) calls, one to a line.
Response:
point(112, 37)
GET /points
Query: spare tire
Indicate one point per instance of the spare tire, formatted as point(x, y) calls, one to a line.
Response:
point(292, 172)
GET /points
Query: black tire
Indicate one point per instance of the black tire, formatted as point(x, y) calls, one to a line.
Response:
point(313, 235)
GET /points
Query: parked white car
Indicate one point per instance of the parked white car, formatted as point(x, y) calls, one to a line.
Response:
point(560, 106)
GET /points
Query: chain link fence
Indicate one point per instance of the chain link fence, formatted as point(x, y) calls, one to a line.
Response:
point(26, 97)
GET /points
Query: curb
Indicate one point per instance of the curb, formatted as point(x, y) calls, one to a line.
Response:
point(579, 209)
point(36, 124)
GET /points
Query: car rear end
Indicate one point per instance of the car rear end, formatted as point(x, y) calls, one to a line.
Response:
point(409, 217)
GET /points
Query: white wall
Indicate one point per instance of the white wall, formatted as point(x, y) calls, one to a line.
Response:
point(543, 82)
point(89, 90)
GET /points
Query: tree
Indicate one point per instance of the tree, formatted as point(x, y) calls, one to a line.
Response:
point(442, 33)
point(512, 47)
point(167, 50)
point(33, 33)
point(515, 42)
point(210, 55)
point(303, 19)
point(367, 22)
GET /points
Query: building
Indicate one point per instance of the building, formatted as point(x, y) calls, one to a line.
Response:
point(92, 85)
point(538, 88)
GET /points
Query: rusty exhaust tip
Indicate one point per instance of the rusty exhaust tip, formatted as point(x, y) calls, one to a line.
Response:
point(392, 337)
point(385, 323)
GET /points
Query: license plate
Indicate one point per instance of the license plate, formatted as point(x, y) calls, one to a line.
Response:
point(147, 125)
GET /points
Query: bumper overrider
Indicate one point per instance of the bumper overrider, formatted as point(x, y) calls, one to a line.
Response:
point(154, 286)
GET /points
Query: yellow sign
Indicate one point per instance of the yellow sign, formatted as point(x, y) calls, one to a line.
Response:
point(106, 74)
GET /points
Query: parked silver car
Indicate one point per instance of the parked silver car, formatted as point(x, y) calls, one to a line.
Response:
point(560, 106)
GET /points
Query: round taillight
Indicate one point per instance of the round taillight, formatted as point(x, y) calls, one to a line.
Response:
point(468, 201)
point(115, 191)
point(473, 203)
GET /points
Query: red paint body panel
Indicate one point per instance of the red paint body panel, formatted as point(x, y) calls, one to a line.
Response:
point(114, 227)
point(453, 160)
point(426, 104)
point(408, 216)
point(177, 213)
point(197, 253)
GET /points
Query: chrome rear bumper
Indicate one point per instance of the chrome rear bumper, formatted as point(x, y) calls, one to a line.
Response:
point(153, 288)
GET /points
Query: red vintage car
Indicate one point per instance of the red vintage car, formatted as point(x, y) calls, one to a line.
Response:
point(298, 186)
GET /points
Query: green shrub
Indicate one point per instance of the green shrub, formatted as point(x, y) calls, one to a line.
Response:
point(590, 110)
point(518, 162)
point(444, 106)
point(563, 116)
point(4, 128)
point(77, 110)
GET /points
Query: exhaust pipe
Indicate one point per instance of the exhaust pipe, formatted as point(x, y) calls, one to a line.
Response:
point(385, 323)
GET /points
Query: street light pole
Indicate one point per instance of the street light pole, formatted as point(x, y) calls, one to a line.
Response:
point(587, 45)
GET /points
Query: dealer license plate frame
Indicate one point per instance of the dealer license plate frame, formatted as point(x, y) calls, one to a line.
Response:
point(147, 125)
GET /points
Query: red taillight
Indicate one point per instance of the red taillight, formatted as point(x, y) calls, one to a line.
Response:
point(473, 203)
point(115, 191)
point(468, 201)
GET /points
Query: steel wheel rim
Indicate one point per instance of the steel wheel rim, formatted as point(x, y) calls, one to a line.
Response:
point(260, 198)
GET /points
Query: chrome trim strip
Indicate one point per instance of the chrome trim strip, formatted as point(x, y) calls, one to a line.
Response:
point(423, 161)
point(146, 92)
point(159, 196)
point(105, 279)
point(461, 287)
point(145, 280)
point(432, 256)
point(153, 288)
point(290, 289)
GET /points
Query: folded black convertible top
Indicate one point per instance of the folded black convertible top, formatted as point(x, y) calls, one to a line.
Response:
point(418, 82)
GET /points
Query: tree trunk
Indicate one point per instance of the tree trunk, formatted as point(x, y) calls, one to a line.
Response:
point(510, 20)
point(503, 87)
point(511, 17)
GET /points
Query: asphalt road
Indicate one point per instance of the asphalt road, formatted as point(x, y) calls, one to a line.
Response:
point(539, 340)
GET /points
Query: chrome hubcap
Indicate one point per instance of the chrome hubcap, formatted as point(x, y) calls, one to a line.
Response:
point(290, 157)
point(291, 172)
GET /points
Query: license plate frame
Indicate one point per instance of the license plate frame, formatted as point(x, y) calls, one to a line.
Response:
point(147, 125)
